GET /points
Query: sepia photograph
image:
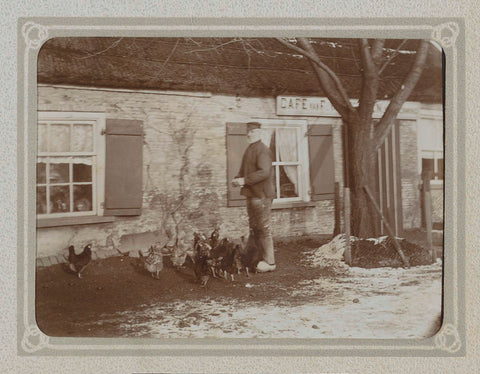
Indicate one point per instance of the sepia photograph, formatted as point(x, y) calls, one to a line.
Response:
point(256, 187)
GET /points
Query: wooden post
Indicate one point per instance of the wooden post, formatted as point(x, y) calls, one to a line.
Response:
point(387, 226)
point(337, 229)
point(427, 202)
point(346, 218)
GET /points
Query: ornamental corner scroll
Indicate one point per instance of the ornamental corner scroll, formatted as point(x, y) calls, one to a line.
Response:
point(446, 34)
point(34, 340)
point(34, 34)
point(448, 338)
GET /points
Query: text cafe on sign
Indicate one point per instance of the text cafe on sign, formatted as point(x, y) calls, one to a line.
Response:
point(305, 106)
point(316, 106)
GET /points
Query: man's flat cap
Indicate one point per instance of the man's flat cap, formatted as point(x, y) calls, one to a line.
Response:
point(253, 125)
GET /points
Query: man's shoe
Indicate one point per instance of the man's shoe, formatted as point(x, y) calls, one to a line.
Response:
point(263, 267)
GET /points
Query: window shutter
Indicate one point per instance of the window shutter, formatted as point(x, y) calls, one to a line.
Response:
point(236, 145)
point(123, 167)
point(322, 172)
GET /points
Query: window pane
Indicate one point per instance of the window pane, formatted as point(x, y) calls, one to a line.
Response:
point(82, 138)
point(59, 173)
point(41, 200)
point(427, 166)
point(59, 199)
point(82, 198)
point(439, 136)
point(42, 138)
point(428, 154)
point(440, 168)
point(82, 173)
point(41, 173)
point(288, 181)
point(271, 135)
point(287, 145)
point(59, 138)
point(431, 134)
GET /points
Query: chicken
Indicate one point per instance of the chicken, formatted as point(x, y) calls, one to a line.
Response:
point(237, 261)
point(153, 261)
point(240, 257)
point(178, 259)
point(77, 263)
point(249, 256)
point(214, 236)
point(230, 261)
point(202, 258)
point(217, 255)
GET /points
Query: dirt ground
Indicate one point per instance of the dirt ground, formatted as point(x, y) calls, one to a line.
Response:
point(306, 297)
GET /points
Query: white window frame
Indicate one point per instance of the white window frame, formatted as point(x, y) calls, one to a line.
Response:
point(98, 156)
point(301, 127)
point(437, 152)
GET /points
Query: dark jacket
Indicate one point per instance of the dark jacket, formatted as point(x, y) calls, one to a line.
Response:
point(256, 169)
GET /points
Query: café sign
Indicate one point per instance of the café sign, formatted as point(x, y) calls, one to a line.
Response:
point(321, 107)
point(305, 106)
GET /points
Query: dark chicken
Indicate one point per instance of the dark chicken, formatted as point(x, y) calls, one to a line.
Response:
point(214, 236)
point(77, 263)
point(249, 256)
point(225, 259)
point(212, 257)
point(202, 258)
point(230, 263)
point(217, 255)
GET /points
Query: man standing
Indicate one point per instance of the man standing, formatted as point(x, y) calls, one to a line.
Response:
point(256, 179)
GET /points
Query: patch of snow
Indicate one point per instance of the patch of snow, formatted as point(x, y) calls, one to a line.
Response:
point(383, 303)
point(367, 303)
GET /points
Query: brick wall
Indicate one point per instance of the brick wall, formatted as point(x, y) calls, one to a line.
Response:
point(437, 204)
point(411, 177)
point(437, 192)
point(203, 118)
point(410, 174)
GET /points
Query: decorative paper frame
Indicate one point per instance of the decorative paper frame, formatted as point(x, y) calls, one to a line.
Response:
point(449, 33)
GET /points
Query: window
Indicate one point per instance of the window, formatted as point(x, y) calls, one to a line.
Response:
point(289, 148)
point(430, 141)
point(303, 160)
point(70, 162)
point(87, 167)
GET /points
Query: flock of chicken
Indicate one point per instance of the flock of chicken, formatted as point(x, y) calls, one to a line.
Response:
point(210, 257)
point(216, 258)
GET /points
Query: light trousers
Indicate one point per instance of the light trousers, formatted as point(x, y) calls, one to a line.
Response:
point(259, 214)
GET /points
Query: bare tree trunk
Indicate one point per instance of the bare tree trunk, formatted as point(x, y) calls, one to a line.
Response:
point(361, 173)
point(363, 136)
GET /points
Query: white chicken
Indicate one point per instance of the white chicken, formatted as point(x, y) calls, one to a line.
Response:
point(153, 261)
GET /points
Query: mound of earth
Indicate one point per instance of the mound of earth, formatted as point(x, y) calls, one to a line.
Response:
point(373, 253)
point(369, 253)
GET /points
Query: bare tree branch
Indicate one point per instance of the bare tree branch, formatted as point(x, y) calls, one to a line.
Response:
point(391, 57)
point(377, 50)
point(214, 47)
point(402, 94)
point(193, 41)
point(370, 81)
point(343, 93)
point(114, 44)
point(247, 52)
point(368, 63)
point(335, 92)
point(171, 53)
point(355, 59)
